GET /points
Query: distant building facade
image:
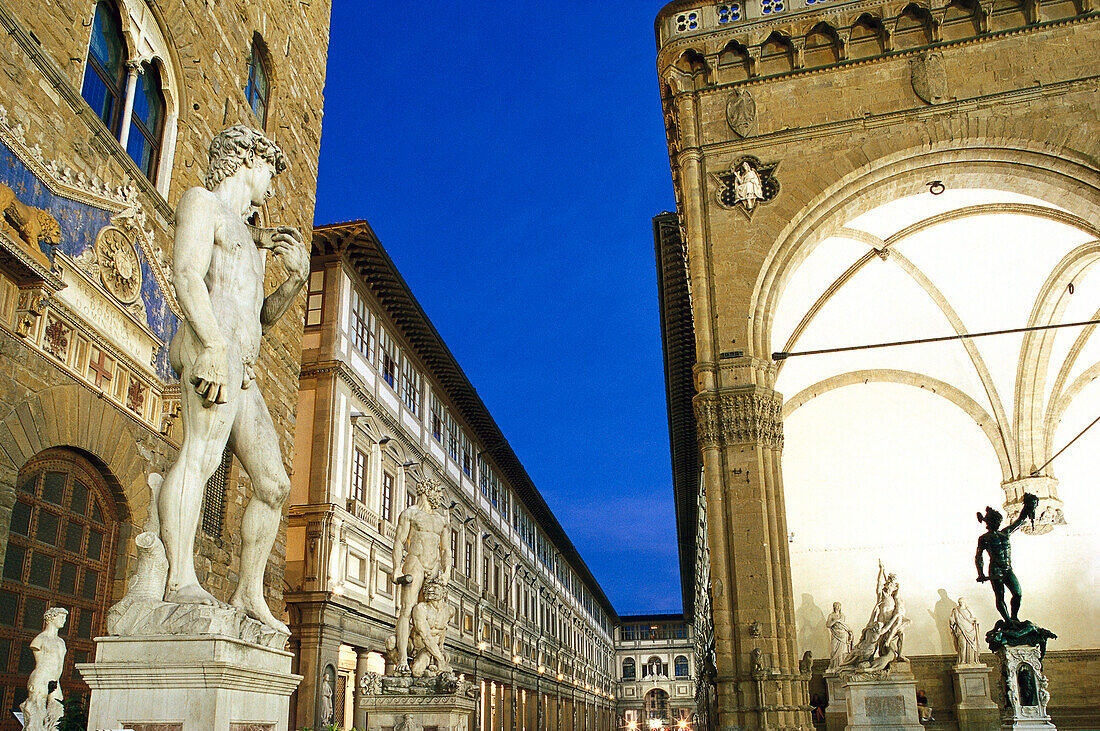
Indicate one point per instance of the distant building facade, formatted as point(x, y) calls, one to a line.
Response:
point(106, 114)
point(383, 404)
point(655, 657)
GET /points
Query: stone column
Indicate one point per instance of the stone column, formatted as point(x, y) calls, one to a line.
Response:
point(359, 716)
point(134, 69)
point(740, 433)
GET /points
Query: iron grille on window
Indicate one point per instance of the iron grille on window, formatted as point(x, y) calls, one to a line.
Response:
point(213, 498)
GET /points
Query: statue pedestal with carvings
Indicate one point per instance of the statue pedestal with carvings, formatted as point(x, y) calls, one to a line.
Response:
point(974, 707)
point(1025, 688)
point(883, 699)
point(189, 683)
point(414, 704)
point(1021, 645)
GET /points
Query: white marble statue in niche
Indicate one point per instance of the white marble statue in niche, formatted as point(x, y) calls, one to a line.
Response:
point(44, 707)
point(840, 636)
point(747, 186)
point(219, 264)
point(420, 553)
point(964, 629)
point(326, 697)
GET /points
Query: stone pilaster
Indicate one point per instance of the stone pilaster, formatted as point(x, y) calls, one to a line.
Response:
point(740, 433)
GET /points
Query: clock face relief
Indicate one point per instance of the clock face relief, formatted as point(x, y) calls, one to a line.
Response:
point(119, 267)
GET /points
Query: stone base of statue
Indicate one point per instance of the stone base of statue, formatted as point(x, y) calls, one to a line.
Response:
point(188, 683)
point(974, 707)
point(1025, 687)
point(441, 703)
point(883, 699)
point(836, 713)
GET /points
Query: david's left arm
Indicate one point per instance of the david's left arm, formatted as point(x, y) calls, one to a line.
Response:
point(288, 245)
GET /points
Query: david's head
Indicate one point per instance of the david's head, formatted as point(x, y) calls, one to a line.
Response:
point(240, 146)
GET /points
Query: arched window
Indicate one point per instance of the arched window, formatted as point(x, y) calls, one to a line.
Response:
point(146, 121)
point(681, 666)
point(134, 93)
point(60, 553)
point(628, 669)
point(258, 89)
point(105, 73)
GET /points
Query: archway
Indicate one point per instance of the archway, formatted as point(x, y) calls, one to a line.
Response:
point(655, 705)
point(61, 552)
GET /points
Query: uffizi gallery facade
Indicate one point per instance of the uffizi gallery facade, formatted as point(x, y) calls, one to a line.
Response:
point(822, 153)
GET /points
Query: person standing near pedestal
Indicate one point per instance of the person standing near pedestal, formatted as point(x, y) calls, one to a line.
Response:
point(44, 706)
point(218, 270)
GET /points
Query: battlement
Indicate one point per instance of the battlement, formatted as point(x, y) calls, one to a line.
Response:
point(728, 42)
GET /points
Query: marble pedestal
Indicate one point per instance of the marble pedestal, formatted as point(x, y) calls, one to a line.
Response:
point(1025, 688)
point(836, 713)
point(430, 704)
point(974, 707)
point(188, 683)
point(883, 700)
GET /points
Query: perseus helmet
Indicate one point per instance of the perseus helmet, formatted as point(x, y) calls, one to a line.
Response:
point(992, 518)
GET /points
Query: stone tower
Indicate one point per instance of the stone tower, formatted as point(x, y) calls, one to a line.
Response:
point(786, 117)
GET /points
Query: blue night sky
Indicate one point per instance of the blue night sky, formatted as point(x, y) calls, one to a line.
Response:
point(510, 160)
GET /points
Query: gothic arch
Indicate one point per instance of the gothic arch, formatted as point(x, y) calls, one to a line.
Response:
point(1062, 176)
point(972, 408)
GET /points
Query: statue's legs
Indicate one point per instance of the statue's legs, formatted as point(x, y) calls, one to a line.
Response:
point(256, 445)
point(999, 597)
point(1013, 586)
point(410, 593)
point(205, 431)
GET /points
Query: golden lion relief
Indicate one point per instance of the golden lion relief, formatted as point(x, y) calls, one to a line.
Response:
point(33, 224)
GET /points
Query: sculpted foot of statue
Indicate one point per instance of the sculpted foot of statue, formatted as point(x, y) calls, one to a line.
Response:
point(256, 607)
point(191, 594)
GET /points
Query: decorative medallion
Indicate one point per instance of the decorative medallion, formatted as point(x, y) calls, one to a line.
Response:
point(741, 113)
point(747, 184)
point(929, 77)
point(119, 266)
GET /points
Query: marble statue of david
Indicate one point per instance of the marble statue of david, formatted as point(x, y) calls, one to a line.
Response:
point(218, 272)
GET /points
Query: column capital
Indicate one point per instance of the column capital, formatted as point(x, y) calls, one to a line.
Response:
point(746, 415)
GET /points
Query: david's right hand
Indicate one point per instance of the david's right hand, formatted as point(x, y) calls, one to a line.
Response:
point(210, 375)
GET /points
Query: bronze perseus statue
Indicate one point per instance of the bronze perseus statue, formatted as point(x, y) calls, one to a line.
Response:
point(995, 542)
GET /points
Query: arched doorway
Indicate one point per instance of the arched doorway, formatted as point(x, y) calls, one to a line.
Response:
point(60, 552)
point(656, 705)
